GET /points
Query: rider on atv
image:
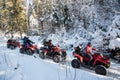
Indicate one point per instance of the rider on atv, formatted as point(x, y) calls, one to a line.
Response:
point(89, 52)
point(50, 45)
point(52, 52)
point(77, 50)
point(13, 43)
point(27, 41)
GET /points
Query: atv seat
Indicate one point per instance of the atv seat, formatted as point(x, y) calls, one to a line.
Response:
point(82, 54)
point(43, 48)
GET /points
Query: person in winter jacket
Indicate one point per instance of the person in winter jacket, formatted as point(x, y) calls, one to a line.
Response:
point(29, 42)
point(50, 45)
point(26, 41)
point(77, 50)
point(12, 37)
point(89, 52)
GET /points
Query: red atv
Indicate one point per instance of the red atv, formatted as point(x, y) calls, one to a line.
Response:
point(29, 49)
point(99, 62)
point(12, 44)
point(57, 54)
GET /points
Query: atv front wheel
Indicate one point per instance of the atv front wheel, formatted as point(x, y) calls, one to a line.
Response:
point(12, 47)
point(56, 59)
point(101, 70)
point(41, 55)
point(8, 46)
point(29, 52)
point(75, 63)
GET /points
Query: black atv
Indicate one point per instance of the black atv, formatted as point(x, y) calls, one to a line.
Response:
point(115, 54)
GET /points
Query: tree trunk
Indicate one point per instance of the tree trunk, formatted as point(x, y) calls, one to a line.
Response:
point(19, 28)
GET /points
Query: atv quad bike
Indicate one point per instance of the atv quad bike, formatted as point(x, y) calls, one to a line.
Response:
point(12, 44)
point(29, 49)
point(115, 54)
point(56, 54)
point(99, 62)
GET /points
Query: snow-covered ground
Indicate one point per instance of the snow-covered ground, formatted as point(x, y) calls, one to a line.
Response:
point(16, 66)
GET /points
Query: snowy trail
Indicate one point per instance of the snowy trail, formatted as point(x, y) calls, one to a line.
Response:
point(114, 71)
point(24, 67)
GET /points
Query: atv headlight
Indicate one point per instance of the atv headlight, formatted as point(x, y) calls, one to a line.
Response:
point(101, 55)
point(20, 46)
point(108, 65)
point(60, 53)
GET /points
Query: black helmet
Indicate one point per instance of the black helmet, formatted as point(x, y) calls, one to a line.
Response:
point(89, 43)
point(50, 40)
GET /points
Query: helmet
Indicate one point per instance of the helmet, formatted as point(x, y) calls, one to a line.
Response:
point(89, 43)
point(50, 40)
point(24, 37)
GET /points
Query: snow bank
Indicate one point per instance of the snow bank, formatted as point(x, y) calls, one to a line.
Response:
point(16, 66)
point(114, 43)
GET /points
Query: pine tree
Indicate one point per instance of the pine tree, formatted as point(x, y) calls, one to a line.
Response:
point(15, 16)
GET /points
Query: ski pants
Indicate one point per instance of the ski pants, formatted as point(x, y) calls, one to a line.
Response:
point(90, 57)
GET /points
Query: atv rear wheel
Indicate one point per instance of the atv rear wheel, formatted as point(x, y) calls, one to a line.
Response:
point(8, 46)
point(101, 70)
point(41, 55)
point(56, 59)
point(75, 63)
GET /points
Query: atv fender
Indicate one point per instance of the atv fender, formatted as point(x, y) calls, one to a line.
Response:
point(79, 57)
